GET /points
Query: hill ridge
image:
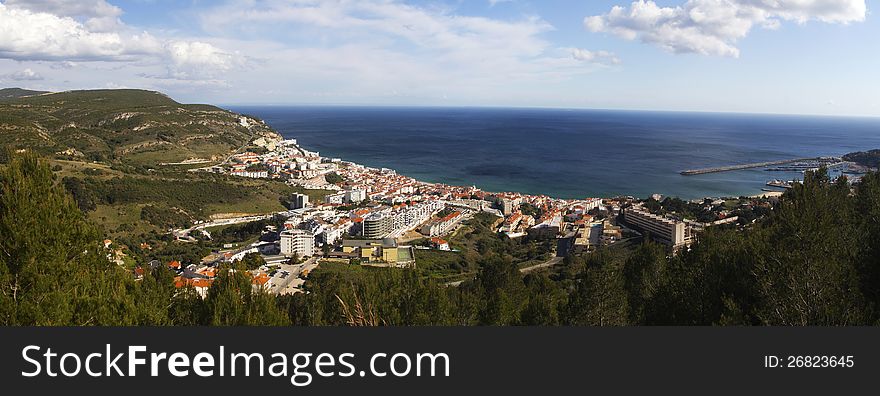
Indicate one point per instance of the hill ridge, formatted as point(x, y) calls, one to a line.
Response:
point(15, 93)
point(135, 126)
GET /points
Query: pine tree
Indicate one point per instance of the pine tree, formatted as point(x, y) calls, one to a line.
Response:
point(53, 270)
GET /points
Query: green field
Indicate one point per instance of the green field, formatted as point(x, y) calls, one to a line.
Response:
point(115, 200)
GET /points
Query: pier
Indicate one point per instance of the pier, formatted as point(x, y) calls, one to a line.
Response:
point(693, 172)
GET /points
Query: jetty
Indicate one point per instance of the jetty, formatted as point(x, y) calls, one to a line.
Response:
point(693, 172)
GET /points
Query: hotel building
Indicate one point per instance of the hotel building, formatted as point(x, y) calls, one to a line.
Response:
point(299, 242)
point(670, 232)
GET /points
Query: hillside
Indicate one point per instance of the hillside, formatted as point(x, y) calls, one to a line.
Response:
point(870, 159)
point(131, 126)
point(14, 93)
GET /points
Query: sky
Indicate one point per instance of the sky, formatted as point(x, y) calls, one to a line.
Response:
point(817, 57)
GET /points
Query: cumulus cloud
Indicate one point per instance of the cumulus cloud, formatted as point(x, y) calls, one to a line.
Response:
point(713, 27)
point(198, 54)
point(23, 75)
point(31, 31)
point(98, 15)
point(29, 35)
point(193, 59)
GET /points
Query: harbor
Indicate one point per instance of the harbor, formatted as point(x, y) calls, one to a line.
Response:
point(781, 183)
point(796, 164)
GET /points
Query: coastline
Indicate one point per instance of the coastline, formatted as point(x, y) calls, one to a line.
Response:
point(568, 154)
point(325, 185)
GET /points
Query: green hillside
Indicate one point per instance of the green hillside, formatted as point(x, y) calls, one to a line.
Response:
point(869, 158)
point(14, 93)
point(131, 126)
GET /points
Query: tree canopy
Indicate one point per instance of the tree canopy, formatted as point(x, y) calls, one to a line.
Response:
point(814, 259)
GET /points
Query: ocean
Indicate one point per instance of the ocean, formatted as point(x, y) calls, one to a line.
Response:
point(570, 153)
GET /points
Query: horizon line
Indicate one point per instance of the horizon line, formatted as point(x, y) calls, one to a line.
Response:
point(500, 107)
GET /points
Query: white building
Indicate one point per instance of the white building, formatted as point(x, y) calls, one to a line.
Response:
point(668, 231)
point(443, 225)
point(336, 199)
point(299, 201)
point(400, 219)
point(251, 174)
point(332, 234)
point(409, 217)
point(299, 242)
point(355, 196)
point(509, 206)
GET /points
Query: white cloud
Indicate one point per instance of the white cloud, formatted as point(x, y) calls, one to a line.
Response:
point(23, 75)
point(64, 65)
point(28, 35)
point(713, 27)
point(601, 57)
point(31, 31)
point(350, 21)
point(331, 50)
point(832, 11)
point(493, 3)
point(98, 15)
point(191, 60)
point(371, 46)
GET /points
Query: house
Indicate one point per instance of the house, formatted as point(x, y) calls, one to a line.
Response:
point(440, 244)
point(200, 285)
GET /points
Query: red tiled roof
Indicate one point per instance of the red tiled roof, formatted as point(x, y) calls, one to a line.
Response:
point(451, 216)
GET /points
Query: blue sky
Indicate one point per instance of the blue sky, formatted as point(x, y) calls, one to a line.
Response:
point(764, 56)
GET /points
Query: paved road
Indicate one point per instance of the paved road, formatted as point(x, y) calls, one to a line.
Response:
point(184, 233)
point(547, 264)
point(292, 282)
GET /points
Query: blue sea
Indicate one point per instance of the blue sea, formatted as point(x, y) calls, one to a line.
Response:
point(571, 153)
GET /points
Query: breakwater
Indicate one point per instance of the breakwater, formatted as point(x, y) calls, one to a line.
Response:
point(702, 171)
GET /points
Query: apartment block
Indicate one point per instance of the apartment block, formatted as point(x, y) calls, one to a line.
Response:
point(671, 232)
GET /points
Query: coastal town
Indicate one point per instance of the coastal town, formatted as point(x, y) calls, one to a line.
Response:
point(377, 217)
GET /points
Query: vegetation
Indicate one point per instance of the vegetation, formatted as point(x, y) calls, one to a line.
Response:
point(252, 261)
point(444, 212)
point(445, 265)
point(165, 217)
point(531, 210)
point(814, 260)
point(870, 158)
point(15, 93)
point(129, 205)
point(480, 239)
point(333, 178)
point(53, 270)
point(121, 126)
point(240, 232)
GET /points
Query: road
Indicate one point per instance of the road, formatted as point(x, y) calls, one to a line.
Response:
point(291, 283)
point(546, 264)
point(184, 233)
